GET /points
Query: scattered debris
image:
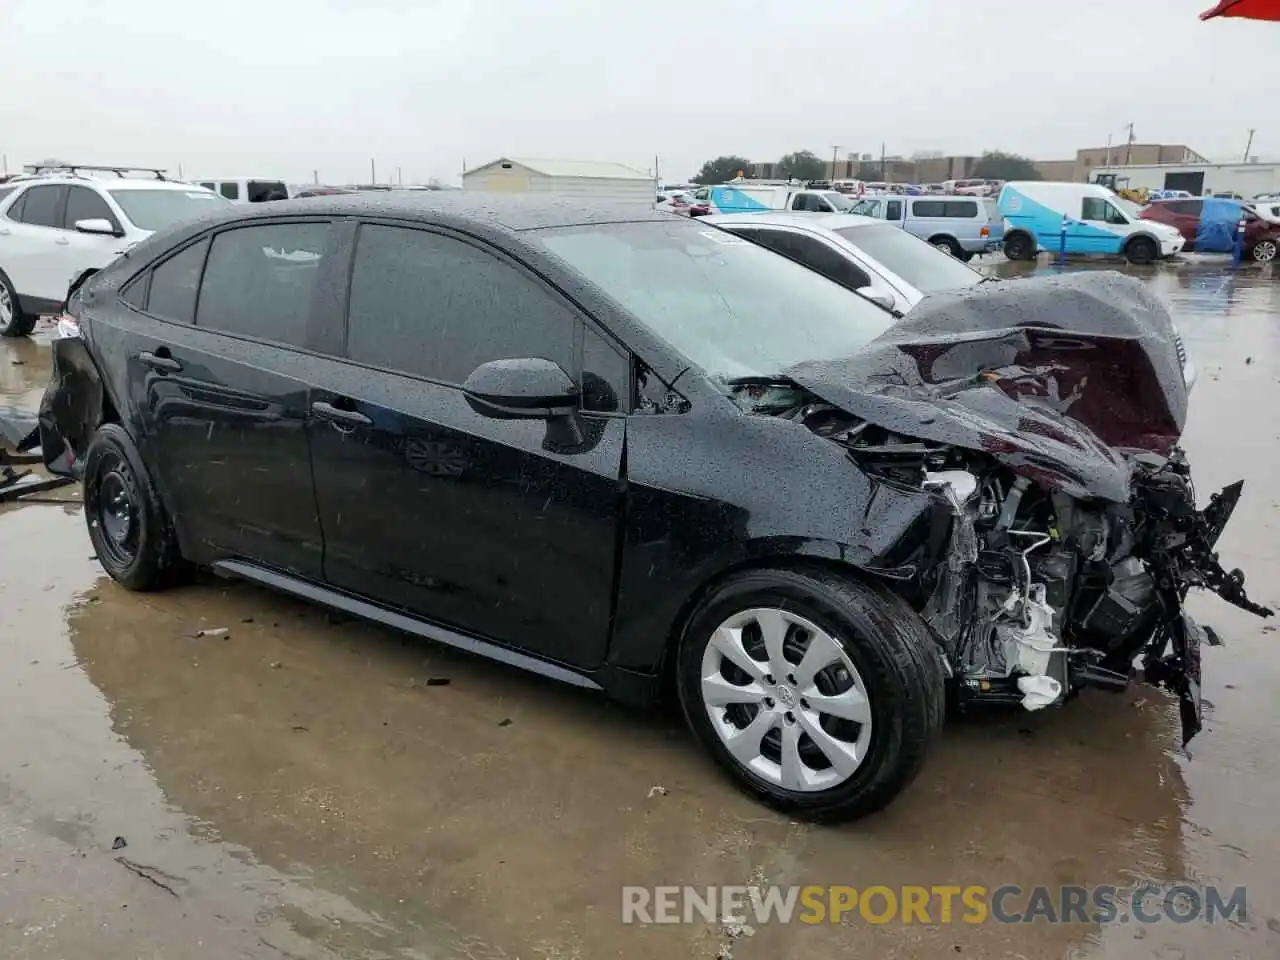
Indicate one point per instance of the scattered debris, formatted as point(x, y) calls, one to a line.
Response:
point(119, 843)
point(147, 873)
point(17, 361)
point(246, 619)
point(1248, 360)
point(214, 632)
point(275, 664)
point(504, 722)
point(299, 728)
point(734, 929)
point(658, 791)
point(438, 681)
point(1268, 629)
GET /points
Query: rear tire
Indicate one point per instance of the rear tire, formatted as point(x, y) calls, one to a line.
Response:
point(13, 322)
point(948, 245)
point(1141, 250)
point(1264, 251)
point(828, 699)
point(128, 526)
point(1018, 246)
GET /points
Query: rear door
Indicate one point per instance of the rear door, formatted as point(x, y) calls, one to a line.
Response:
point(218, 368)
point(504, 529)
point(35, 250)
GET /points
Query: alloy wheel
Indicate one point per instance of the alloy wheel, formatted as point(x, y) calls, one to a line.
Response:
point(1265, 251)
point(6, 306)
point(786, 700)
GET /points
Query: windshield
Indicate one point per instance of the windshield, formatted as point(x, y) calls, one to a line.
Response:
point(838, 200)
point(732, 307)
point(866, 208)
point(1128, 206)
point(920, 264)
point(157, 209)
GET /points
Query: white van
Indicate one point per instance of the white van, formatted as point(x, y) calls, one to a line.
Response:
point(1085, 217)
point(247, 189)
point(748, 198)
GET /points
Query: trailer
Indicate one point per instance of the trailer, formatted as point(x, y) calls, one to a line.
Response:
point(1246, 180)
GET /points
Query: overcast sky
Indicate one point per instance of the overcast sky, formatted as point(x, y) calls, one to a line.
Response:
point(284, 87)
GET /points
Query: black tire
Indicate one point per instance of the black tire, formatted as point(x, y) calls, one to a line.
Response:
point(128, 526)
point(887, 643)
point(964, 256)
point(1018, 246)
point(13, 322)
point(948, 245)
point(1141, 250)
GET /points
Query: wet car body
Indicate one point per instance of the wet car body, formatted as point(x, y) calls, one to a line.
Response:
point(582, 543)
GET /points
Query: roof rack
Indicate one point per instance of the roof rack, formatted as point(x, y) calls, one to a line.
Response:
point(44, 169)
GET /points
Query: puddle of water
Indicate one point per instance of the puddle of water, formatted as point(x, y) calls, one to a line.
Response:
point(25, 365)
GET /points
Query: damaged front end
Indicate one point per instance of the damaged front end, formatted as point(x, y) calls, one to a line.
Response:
point(1052, 439)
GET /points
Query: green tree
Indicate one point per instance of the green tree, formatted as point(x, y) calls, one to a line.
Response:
point(722, 169)
point(802, 165)
point(998, 165)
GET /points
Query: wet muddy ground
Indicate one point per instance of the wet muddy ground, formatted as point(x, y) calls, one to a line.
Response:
point(300, 787)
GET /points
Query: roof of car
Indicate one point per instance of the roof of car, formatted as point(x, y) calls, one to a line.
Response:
point(111, 183)
point(783, 218)
point(506, 211)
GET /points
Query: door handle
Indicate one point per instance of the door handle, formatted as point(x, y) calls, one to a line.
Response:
point(62, 241)
point(167, 364)
point(350, 418)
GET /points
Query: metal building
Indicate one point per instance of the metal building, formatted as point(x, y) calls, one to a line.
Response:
point(571, 177)
point(1246, 179)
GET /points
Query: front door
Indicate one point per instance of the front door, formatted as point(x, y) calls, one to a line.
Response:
point(505, 529)
point(224, 400)
point(35, 250)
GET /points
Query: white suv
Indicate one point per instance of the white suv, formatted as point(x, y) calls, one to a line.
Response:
point(54, 229)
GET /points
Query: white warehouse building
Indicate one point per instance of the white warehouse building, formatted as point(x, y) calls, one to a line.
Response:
point(1247, 179)
point(568, 177)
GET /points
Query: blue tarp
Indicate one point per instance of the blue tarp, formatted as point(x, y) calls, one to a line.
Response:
point(1216, 231)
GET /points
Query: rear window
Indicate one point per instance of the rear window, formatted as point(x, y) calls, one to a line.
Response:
point(264, 191)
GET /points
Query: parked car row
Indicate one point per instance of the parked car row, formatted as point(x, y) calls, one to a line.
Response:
point(623, 446)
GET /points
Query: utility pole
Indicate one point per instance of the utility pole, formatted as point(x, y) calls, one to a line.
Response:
point(1128, 150)
point(399, 179)
point(315, 176)
point(883, 175)
point(1108, 163)
point(835, 158)
point(373, 172)
point(179, 169)
point(1249, 145)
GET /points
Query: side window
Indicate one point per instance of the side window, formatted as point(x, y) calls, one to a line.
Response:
point(135, 291)
point(15, 211)
point(435, 307)
point(263, 191)
point(606, 375)
point(867, 208)
point(820, 258)
point(44, 206)
point(84, 204)
point(893, 210)
point(174, 285)
point(259, 280)
point(1100, 209)
point(960, 209)
point(208, 185)
point(230, 189)
point(929, 208)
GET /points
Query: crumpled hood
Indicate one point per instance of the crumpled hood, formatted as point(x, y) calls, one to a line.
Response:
point(1053, 376)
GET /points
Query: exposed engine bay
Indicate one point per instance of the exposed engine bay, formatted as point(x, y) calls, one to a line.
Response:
point(1073, 535)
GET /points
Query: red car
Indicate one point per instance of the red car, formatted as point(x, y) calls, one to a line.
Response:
point(1216, 232)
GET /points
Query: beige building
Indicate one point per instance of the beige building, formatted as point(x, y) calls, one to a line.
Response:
point(1138, 154)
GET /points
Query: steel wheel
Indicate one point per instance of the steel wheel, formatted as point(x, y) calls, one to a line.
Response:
point(112, 505)
point(1264, 251)
point(6, 306)
point(785, 699)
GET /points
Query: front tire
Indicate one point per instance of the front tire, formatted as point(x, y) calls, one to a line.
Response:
point(819, 695)
point(1264, 251)
point(128, 526)
point(949, 245)
point(13, 322)
point(1141, 250)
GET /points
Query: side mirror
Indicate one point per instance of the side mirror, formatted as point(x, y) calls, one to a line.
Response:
point(881, 297)
point(97, 225)
point(527, 388)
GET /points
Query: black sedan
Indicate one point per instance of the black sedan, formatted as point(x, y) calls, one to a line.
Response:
point(616, 447)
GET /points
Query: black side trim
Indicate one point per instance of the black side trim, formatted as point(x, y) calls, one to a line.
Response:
point(400, 621)
point(39, 306)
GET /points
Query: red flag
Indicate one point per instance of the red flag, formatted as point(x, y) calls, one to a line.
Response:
point(1246, 9)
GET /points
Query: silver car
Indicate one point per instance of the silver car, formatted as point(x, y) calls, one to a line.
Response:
point(869, 256)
